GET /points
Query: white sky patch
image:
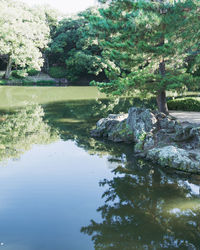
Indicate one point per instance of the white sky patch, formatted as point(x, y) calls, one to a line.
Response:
point(65, 6)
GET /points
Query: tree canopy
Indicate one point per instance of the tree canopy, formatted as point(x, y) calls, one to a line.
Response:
point(73, 49)
point(147, 45)
point(23, 34)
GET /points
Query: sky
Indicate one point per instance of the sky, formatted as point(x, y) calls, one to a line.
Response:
point(65, 6)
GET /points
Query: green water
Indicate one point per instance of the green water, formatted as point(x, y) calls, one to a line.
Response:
point(62, 189)
point(12, 96)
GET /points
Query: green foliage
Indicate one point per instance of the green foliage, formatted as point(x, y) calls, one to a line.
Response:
point(57, 72)
point(32, 72)
point(19, 74)
point(72, 47)
point(26, 82)
point(64, 39)
point(185, 104)
point(24, 34)
point(80, 63)
point(45, 82)
point(146, 44)
point(2, 81)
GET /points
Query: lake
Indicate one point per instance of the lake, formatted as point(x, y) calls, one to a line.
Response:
point(63, 190)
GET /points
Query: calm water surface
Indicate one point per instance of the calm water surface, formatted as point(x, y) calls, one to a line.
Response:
point(62, 190)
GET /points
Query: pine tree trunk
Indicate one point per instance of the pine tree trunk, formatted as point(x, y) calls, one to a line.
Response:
point(161, 95)
point(162, 102)
point(8, 69)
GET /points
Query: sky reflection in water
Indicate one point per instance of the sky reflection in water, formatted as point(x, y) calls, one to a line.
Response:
point(47, 195)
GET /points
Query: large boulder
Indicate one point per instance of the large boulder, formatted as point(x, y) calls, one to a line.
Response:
point(189, 134)
point(141, 122)
point(171, 156)
point(113, 127)
point(131, 127)
point(166, 122)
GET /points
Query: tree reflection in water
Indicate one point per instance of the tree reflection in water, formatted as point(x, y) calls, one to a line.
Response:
point(21, 129)
point(146, 209)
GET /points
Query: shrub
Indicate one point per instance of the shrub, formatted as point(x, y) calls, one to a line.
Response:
point(38, 83)
point(2, 81)
point(57, 72)
point(46, 82)
point(33, 72)
point(19, 74)
point(185, 104)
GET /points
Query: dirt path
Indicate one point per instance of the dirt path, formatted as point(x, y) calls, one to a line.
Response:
point(185, 116)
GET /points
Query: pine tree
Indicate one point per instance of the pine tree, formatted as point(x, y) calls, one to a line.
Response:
point(147, 45)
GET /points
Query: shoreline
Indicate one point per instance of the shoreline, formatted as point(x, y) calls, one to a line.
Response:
point(159, 138)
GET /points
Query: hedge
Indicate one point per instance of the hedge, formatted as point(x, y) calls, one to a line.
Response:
point(184, 104)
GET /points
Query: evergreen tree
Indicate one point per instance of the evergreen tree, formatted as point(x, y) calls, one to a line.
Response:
point(146, 45)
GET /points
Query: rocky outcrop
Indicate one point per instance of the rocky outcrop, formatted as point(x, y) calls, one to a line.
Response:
point(114, 128)
point(158, 137)
point(171, 156)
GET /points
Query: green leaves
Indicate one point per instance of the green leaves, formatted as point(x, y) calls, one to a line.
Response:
point(136, 36)
point(23, 34)
point(74, 48)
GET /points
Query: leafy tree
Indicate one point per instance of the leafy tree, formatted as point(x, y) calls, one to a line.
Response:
point(64, 39)
point(73, 49)
point(23, 34)
point(51, 18)
point(146, 45)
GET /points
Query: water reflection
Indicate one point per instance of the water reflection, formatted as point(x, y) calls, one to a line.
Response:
point(21, 129)
point(42, 124)
point(74, 120)
point(146, 209)
point(143, 207)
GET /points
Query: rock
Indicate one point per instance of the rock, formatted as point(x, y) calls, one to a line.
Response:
point(168, 124)
point(141, 121)
point(133, 126)
point(184, 134)
point(158, 137)
point(171, 156)
point(145, 143)
point(121, 133)
point(109, 127)
point(149, 142)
